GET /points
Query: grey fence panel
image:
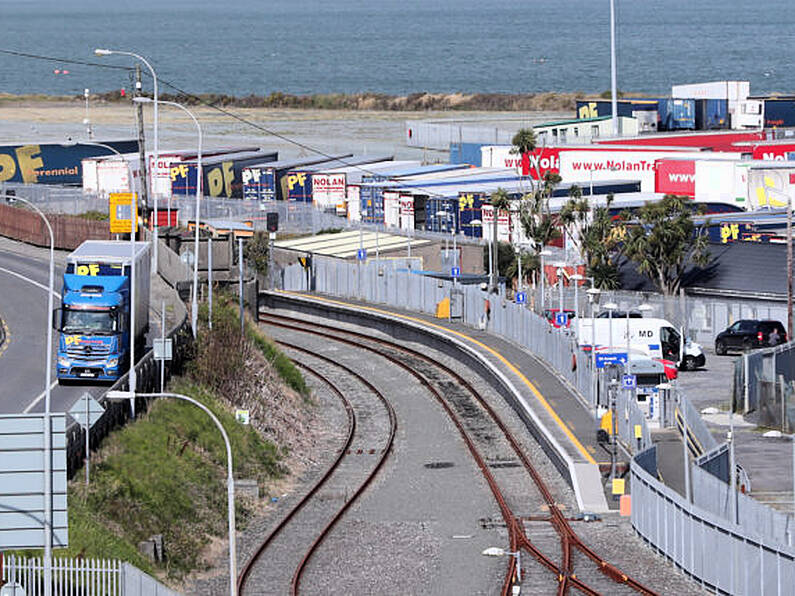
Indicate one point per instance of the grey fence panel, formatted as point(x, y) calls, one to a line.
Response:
point(698, 427)
point(137, 583)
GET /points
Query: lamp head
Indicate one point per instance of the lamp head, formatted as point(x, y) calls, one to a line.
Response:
point(102, 52)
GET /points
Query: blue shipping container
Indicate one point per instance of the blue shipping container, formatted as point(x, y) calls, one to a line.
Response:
point(466, 153)
point(779, 112)
point(222, 176)
point(53, 163)
point(676, 114)
point(712, 114)
point(625, 107)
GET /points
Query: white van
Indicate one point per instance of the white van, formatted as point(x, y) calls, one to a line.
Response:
point(657, 338)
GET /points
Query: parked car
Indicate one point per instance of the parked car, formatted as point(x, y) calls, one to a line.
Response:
point(748, 334)
point(549, 314)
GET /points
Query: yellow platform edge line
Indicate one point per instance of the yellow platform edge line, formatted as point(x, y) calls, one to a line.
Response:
point(550, 410)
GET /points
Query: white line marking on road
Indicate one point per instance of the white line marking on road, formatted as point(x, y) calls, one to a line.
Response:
point(30, 281)
point(39, 397)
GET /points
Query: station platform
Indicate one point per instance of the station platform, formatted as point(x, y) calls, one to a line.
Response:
point(559, 414)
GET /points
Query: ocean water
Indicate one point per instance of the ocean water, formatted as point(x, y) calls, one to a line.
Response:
point(242, 47)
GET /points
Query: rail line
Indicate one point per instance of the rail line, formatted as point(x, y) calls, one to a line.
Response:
point(565, 575)
point(246, 573)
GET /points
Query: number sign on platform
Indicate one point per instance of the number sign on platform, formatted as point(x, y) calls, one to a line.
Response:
point(455, 272)
point(561, 319)
point(521, 298)
point(361, 254)
point(629, 381)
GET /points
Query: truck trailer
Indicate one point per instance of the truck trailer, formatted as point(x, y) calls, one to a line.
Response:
point(94, 321)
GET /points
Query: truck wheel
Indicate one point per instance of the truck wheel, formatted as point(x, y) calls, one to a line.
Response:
point(720, 348)
point(690, 363)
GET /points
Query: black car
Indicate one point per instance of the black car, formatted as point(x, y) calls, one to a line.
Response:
point(747, 334)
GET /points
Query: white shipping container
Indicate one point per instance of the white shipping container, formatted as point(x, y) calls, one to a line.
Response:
point(328, 190)
point(721, 181)
point(730, 90)
point(406, 202)
point(503, 224)
point(598, 165)
point(769, 185)
point(354, 202)
point(111, 174)
point(500, 156)
point(89, 167)
point(160, 173)
point(392, 208)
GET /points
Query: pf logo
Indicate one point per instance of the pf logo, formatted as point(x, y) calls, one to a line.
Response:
point(293, 179)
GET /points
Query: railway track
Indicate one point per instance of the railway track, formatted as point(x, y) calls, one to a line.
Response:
point(360, 430)
point(549, 539)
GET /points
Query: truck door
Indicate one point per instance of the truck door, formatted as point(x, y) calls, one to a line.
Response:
point(671, 344)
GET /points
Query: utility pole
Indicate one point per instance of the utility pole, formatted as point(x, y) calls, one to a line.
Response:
point(139, 112)
point(613, 84)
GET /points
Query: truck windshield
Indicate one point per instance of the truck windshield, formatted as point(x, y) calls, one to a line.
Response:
point(94, 322)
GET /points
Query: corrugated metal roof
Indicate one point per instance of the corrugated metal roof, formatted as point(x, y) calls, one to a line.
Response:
point(107, 250)
point(346, 244)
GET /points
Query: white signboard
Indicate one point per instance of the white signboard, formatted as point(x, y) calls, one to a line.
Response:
point(328, 189)
point(406, 212)
point(160, 173)
point(503, 224)
point(22, 481)
point(391, 208)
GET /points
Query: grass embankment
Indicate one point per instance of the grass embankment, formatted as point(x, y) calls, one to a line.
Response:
point(165, 473)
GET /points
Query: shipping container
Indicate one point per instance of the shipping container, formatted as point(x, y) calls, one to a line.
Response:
point(779, 112)
point(466, 153)
point(329, 187)
point(262, 182)
point(53, 163)
point(772, 150)
point(712, 114)
point(160, 172)
point(582, 130)
point(298, 181)
point(222, 175)
point(584, 167)
point(728, 90)
point(604, 107)
point(676, 114)
point(371, 193)
point(111, 174)
point(714, 141)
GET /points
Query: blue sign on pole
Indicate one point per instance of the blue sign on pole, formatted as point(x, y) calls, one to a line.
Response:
point(607, 359)
point(361, 254)
point(521, 297)
point(629, 381)
point(561, 319)
point(455, 271)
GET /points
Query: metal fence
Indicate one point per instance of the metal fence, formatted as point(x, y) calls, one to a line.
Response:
point(702, 317)
point(387, 282)
point(82, 577)
point(764, 383)
point(722, 556)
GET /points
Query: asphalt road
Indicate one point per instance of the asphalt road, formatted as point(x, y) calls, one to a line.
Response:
point(23, 306)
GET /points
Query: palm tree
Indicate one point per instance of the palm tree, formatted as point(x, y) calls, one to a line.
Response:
point(500, 201)
point(524, 141)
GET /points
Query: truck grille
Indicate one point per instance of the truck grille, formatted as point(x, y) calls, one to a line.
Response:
point(87, 352)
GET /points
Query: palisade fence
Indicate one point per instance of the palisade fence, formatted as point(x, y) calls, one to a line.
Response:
point(387, 282)
point(80, 577)
point(753, 556)
point(764, 382)
point(702, 317)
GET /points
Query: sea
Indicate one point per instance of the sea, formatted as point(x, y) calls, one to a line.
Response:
point(242, 47)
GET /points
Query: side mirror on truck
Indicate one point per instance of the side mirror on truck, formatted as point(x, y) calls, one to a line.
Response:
point(57, 318)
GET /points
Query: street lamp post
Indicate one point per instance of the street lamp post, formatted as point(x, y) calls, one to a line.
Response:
point(684, 443)
point(576, 279)
point(613, 85)
point(47, 406)
point(199, 180)
point(230, 479)
point(104, 52)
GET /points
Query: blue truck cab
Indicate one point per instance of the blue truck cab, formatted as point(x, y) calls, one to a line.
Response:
point(94, 321)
